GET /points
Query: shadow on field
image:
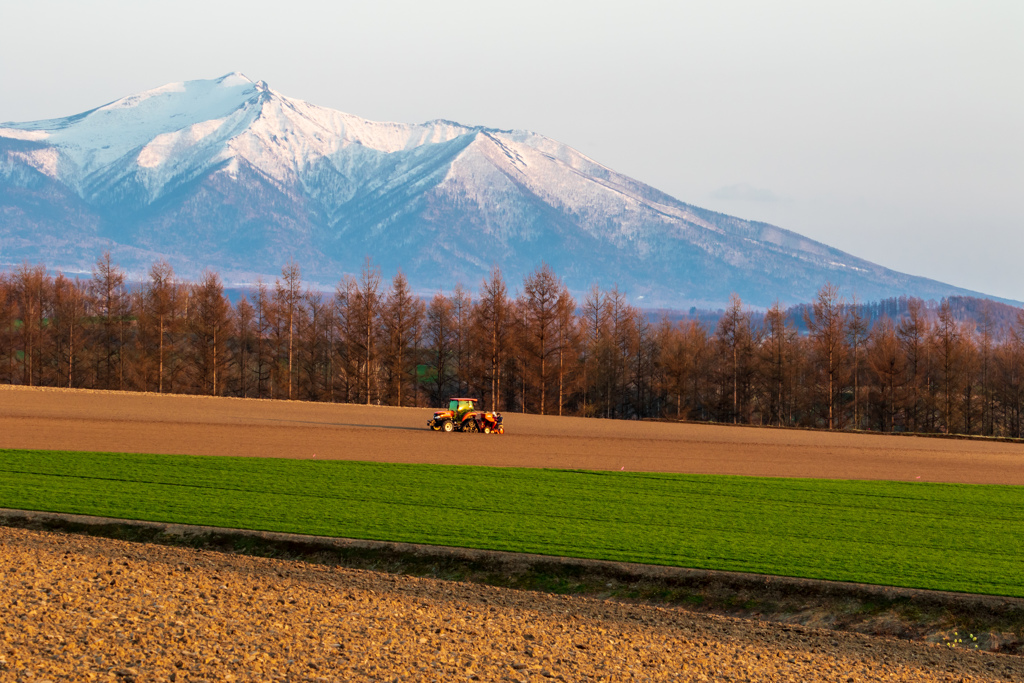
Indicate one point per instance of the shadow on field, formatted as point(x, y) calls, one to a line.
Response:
point(910, 614)
point(343, 424)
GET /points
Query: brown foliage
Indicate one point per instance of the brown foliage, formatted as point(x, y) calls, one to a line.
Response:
point(928, 370)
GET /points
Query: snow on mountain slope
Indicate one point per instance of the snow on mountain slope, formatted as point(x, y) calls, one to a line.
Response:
point(96, 138)
point(158, 132)
point(232, 175)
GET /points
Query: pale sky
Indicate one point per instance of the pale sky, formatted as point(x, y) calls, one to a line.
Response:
point(891, 130)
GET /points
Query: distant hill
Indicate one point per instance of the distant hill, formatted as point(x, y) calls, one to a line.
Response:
point(966, 309)
point(1000, 316)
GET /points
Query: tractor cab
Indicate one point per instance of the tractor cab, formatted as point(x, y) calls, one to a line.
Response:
point(460, 406)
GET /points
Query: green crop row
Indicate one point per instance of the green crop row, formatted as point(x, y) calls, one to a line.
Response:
point(938, 536)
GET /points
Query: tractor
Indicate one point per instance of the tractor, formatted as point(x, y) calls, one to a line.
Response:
point(464, 415)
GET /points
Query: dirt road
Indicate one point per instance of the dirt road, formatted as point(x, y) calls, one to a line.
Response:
point(127, 422)
point(79, 608)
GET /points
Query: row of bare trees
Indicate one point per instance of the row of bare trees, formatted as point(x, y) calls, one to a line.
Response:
point(539, 350)
point(926, 371)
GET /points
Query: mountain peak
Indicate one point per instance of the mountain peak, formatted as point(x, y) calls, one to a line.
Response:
point(234, 78)
point(229, 174)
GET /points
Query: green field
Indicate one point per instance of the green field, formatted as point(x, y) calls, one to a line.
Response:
point(939, 536)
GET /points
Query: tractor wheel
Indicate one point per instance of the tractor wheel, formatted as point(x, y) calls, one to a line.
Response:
point(487, 429)
point(469, 426)
point(448, 426)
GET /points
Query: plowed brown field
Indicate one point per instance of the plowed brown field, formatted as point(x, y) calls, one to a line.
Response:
point(149, 423)
point(78, 609)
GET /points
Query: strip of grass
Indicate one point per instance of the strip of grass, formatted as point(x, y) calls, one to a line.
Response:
point(920, 535)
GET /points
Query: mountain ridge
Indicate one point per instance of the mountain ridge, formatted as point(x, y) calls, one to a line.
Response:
point(232, 175)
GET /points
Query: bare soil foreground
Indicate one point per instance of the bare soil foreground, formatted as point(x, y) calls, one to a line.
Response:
point(81, 608)
point(150, 423)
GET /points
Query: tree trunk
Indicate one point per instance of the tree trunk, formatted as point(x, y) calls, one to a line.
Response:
point(71, 352)
point(160, 381)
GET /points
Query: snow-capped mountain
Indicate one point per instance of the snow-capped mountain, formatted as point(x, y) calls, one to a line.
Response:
point(233, 176)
